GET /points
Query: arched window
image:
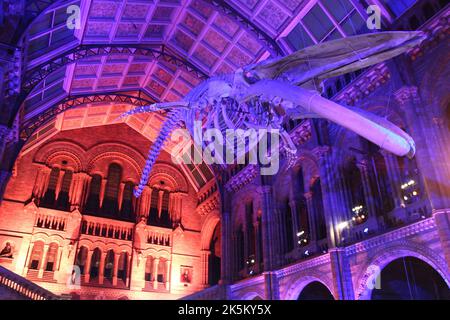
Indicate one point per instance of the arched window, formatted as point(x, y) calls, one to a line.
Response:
point(110, 205)
point(109, 265)
point(51, 259)
point(214, 259)
point(317, 199)
point(239, 245)
point(36, 255)
point(49, 197)
point(153, 214)
point(81, 259)
point(93, 200)
point(165, 220)
point(122, 270)
point(63, 197)
point(127, 210)
point(251, 245)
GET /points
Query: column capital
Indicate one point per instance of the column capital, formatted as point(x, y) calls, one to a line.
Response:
point(362, 164)
point(406, 94)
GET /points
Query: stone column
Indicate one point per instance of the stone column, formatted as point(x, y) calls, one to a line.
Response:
point(167, 275)
point(227, 262)
point(101, 268)
point(293, 204)
point(160, 200)
point(116, 268)
point(155, 273)
point(128, 271)
point(312, 219)
point(102, 192)
point(330, 201)
point(87, 266)
point(442, 220)
point(342, 277)
point(395, 179)
point(268, 230)
point(120, 196)
point(257, 245)
point(59, 183)
point(206, 254)
point(43, 261)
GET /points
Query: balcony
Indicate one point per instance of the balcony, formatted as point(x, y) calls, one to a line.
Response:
point(107, 228)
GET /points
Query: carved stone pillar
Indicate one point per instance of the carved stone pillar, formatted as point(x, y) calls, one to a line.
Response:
point(167, 275)
point(80, 190)
point(87, 266)
point(269, 228)
point(102, 192)
point(43, 261)
point(206, 254)
point(116, 268)
point(395, 179)
point(101, 268)
point(155, 273)
point(312, 218)
point(332, 199)
point(160, 200)
point(342, 277)
point(59, 183)
point(227, 262)
point(293, 204)
point(128, 271)
point(120, 196)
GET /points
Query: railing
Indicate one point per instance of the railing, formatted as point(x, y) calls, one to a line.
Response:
point(53, 220)
point(159, 236)
point(24, 287)
point(107, 228)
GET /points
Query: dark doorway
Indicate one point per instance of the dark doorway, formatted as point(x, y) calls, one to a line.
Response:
point(410, 278)
point(315, 291)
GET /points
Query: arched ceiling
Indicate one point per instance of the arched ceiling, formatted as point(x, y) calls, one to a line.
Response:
point(209, 36)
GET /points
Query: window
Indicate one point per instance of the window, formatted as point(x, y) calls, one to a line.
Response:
point(93, 200)
point(110, 202)
point(398, 7)
point(51, 257)
point(127, 210)
point(63, 197)
point(36, 254)
point(327, 20)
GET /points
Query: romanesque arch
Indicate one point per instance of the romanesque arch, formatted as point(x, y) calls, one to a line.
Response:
point(371, 270)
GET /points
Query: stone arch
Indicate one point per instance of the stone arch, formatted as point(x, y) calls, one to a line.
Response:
point(73, 153)
point(170, 175)
point(385, 256)
point(252, 295)
point(305, 279)
point(130, 160)
point(209, 225)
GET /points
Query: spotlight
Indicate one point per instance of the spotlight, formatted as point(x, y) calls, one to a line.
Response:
point(366, 230)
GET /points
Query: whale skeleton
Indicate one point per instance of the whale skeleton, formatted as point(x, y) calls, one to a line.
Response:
point(271, 92)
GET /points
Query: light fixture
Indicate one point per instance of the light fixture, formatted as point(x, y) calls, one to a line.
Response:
point(366, 230)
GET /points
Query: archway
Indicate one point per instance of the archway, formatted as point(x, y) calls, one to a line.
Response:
point(409, 278)
point(215, 257)
point(315, 291)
